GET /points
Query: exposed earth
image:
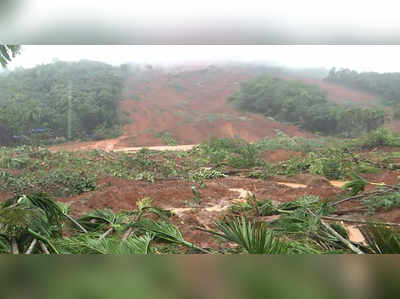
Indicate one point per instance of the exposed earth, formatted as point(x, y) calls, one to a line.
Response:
point(191, 107)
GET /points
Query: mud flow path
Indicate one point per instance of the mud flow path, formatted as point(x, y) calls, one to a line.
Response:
point(187, 107)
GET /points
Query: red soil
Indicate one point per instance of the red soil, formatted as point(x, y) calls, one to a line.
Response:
point(341, 94)
point(280, 155)
point(191, 106)
point(121, 194)
point(195, 113)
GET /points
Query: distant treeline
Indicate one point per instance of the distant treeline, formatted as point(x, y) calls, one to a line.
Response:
point(34, 103)
point(385, 85)
point(304, 105)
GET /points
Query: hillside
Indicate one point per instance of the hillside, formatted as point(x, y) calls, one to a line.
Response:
point(308, 195)
point(189, 106)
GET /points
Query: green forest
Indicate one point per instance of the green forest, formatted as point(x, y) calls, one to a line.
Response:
point(385, 85)
point(60, 101)
point(304, 105)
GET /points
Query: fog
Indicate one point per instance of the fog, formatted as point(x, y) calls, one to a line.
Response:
point(199, 22)
point(361, 58)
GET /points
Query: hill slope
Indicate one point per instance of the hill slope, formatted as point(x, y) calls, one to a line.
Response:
point(189, 106)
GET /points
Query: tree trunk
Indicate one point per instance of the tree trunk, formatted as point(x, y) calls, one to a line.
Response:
point(14, 246)
point(31, 247)
point(44, 248)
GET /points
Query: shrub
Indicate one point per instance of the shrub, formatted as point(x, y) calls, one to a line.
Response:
point(234, 152)
point(304, 105)
point(380, 137)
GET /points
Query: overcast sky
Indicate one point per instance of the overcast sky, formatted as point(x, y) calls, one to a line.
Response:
point(199, 22)
point(361, 58)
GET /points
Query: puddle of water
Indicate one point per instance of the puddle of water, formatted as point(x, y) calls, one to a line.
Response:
point(292, 185)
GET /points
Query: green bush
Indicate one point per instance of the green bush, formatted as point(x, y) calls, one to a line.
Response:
point(234, 152)
point(379, 137)
point(304, 105)
point(332, 169)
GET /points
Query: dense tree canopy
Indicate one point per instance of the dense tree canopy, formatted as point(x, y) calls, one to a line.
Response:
point(304, 105)
point(385, 85)
point(50, 98)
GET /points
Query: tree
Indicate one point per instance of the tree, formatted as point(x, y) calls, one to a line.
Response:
point(304, 105)
point(37, 105)
point(7, 53)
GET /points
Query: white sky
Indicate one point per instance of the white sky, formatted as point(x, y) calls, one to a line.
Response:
point(363, 13)
point(361, 58)
point(201, 22)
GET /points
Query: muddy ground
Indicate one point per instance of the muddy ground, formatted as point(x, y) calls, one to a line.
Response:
point(175, 195)
point(192, 106)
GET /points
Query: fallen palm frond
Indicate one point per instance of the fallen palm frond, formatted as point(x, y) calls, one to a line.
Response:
point(255, 238)
point(136, 245)
point(5, 245)
point(91, 244)
point(381, 239)
point(165, 231)
point(28, 217)
point(381, 191)
point(339, 236)
point(163, 214)
point(305, 222)
point(357, 185)
point(43, 239)
point(41, 201)
point(360, 221)
point(99, 219)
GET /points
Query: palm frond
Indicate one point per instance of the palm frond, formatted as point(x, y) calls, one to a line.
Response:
point(90, 244)
point(165, 231)
point(42, 201)
point(162, 230)
point(44, 239)
point(135, 245)
point(307, 201)
point(7, 52)
point(99, 219)
point(163, 214)
point(16, 219)
point(381, 239)
point(356, 185)
point(255, 238)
